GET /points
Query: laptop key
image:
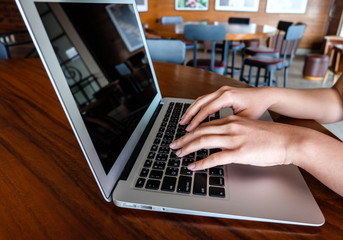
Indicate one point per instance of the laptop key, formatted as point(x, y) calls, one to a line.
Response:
point(174, 163)
point(140, 182)
point(172, 171)
point(186, 171)
point(161, 157)
point(153, 184)
point(217, 181)
point(159, 165)
point(156, 174)
point(184, 185)
point(148, 163)
point(216, 172)
point(144, 172)
point(217, 192)
point(168, 184)
point(200, 184)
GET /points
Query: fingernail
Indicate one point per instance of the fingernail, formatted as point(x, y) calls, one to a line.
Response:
point(189, 127)
point(191, 166)
point(178, 152)
point(172, 145)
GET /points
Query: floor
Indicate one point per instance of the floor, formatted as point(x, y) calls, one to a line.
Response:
point(295, 80)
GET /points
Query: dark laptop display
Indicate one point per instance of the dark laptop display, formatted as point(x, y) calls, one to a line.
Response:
point(101, 53)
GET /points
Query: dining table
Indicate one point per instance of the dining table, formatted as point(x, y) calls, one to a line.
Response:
point(48, 190)
point(234, 31)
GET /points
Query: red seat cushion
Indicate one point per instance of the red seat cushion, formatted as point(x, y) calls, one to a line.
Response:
point(262, 50)
point(271, 61)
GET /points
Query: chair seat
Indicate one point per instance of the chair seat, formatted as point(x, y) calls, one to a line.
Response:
point(265, 60)
point(236, 45)
point(205, 63)
point(261, 50)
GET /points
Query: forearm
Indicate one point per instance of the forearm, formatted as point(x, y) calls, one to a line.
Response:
point(321, 156)
point(323, 105)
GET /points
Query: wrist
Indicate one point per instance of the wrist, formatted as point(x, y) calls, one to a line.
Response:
point(270, 96)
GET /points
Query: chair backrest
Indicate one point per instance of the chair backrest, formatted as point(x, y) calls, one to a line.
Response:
point(3, 51)
point(284, 25)
point(165, 50)
point(238, 20)
point(171, 19)
point(292, 36)
point(197, 32)
point(277, 40)
point(205, 33)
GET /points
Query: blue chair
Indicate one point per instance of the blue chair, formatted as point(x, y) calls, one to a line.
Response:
point(166, 50)
point(171, 19)
point(211, 33)
point(273, 64)
point(3, 51)
point(236, 46)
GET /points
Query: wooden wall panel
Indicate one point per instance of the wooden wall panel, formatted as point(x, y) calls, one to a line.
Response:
point(10, 19)
point(315, 18)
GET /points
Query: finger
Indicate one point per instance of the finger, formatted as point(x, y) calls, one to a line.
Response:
point(212, 127)
point(209, 142)
point(219, 158)
point(195, 107)
point(203, 113)
point(221, 101)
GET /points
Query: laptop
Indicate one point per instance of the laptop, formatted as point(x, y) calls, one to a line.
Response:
point(96, 56)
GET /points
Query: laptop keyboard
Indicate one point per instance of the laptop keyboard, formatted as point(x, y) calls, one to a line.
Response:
point(163, 170)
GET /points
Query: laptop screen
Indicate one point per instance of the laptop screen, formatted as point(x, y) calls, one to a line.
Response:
point(100, 50)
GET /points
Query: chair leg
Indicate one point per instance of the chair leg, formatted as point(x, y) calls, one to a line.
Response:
point(326, 77)
point(335, 78)
point(265, 76)
point(233, 63)
point(285, 78)
point(250, 75)
point(257, 77)
point(270, 81)
point(241, 78)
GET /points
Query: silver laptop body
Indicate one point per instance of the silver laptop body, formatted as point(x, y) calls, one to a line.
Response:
point(96, 56)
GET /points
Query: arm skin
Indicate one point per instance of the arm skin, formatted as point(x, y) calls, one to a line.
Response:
point(248, 141)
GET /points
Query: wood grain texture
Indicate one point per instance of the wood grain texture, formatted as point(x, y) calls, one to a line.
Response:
point(48, 191)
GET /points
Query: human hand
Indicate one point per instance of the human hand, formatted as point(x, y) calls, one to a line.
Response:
point(243, 141)
point(247, 102)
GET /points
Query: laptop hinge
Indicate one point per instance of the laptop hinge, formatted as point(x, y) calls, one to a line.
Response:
point(136, 151)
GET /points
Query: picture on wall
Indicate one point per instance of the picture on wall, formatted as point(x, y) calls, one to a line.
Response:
point(142, 5)
point(197, 5)
point(237, 5)
point(289, 6)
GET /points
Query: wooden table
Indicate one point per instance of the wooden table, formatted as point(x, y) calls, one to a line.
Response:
point(234, 31)
point(48, 191)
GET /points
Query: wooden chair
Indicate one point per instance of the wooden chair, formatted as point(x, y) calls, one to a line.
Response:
point(167, 50)
point(274, 64)
point(276, 44)
point(335, 63)
point(211, 33)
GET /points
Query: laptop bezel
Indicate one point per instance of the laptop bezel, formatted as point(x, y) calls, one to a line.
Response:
point(106, 182)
